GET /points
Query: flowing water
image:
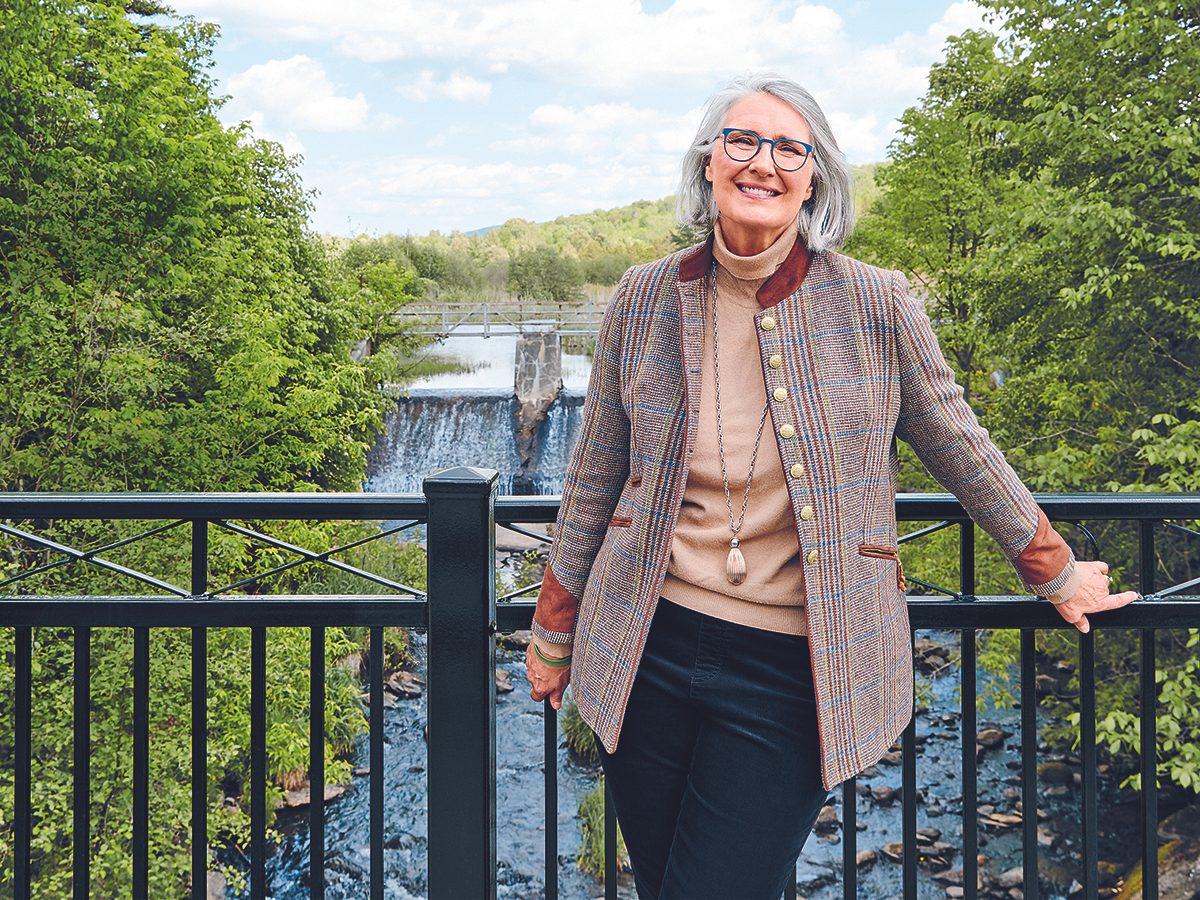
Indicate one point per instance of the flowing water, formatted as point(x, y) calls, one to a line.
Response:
point(468, 419)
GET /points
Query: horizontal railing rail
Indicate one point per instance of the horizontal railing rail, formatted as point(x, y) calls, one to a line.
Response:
point(460, 513)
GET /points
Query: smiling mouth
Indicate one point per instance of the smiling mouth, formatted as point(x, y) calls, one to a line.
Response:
point(755, 191)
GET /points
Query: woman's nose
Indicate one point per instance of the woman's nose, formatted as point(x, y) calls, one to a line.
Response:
point(763, 161)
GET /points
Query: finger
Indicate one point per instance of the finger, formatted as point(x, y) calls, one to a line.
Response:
point(1083, 625)
point(1103, 568)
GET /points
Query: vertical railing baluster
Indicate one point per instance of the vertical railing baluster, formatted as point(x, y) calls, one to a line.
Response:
point(1149, 719)
point(909, 795)
point(850, 838)
point(1087, 740)
point(610, 845)
point(550, 754)
point(199, 718)
point(1029, 740)
point(141, 762)
point(462, 683)
point(22, 777)
point(81, 777)
point(376, 763)
point(258, 762)
point(316, 763)
point(970, 787)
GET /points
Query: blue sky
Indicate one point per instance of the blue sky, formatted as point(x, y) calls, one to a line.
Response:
point(414, 115)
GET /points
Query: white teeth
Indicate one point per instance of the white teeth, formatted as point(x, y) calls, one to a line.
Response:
point(758, 192)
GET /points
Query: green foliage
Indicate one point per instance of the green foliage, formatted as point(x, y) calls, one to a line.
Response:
point(167, 322)
point(581, 740)
point(544, 274)
point(1044, 197)
point(591, 851)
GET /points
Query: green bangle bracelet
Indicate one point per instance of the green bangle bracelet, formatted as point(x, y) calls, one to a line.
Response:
point(564, 661)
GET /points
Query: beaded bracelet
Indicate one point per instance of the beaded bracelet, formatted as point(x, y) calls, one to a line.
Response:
point(563, 661)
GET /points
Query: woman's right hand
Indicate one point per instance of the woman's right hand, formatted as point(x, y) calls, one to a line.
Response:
point(546, 680)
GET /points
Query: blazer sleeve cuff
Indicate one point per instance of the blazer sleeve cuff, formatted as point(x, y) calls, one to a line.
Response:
point(1047, 564)
point(557, 609)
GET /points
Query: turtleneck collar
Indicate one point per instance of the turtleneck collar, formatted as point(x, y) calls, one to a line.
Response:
point(784, 265)
point(760, 265)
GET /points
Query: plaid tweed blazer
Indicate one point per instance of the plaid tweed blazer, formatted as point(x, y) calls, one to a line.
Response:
point(862, 366)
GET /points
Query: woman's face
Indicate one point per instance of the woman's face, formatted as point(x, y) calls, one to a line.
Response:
point(757, 201)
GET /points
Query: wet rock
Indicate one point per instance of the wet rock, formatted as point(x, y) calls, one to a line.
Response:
point(990, 738)
point(303, 797)
point(865, 858)
point(869, 772)
point(1011, 794)
point(1015, 894)
point(1178, 873)
point(1055, 773)
point(950, 876)
point(884, 795)
point(1014, 877)
point(863, 790)
point(518, 640)
point(893, 850)
point(955, 891)
point(504, 683)
point(1058, 790)
point(1182, 825)
point(1046, 837)
point(1046, 685)
point(827, 821)
point(216, 886)
point(1075, 890)
point(893, 758)
point(928, 835)
point(1000, 821)
point(408, 685)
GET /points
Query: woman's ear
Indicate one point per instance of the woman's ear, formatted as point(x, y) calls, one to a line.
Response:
point(708, 170)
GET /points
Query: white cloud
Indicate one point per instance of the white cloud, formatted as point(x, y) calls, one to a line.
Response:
point(297, 93)
point(458, 86)
point(615, 44)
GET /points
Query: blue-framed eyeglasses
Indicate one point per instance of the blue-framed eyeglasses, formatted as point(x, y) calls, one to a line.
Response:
point(741, 145)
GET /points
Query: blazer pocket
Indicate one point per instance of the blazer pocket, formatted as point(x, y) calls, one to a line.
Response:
point(887, 553)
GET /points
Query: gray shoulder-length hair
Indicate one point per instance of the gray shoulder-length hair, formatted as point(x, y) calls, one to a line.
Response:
point(826, 218)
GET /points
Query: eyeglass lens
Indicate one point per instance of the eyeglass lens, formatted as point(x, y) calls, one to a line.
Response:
point(742, 145)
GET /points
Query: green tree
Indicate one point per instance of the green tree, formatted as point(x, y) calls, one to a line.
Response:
point(544, 274)
point(167, 322)
point(1045, 194)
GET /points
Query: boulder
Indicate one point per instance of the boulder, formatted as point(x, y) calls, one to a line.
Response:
point(1178, 873)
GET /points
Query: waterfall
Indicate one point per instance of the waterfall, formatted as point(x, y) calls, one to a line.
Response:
point(432, 429)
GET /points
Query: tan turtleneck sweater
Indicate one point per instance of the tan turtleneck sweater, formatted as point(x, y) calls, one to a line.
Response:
point(772, 596)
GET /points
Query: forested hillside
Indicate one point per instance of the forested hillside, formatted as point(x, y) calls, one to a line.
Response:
point(549, 260)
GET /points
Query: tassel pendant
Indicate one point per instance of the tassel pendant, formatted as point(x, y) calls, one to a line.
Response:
point(735, 566)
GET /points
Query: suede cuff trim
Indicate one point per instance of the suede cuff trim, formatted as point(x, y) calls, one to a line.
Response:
point(557, 608)
point(1047, 565)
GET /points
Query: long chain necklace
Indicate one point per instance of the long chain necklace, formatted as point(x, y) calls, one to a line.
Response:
point(735, 565)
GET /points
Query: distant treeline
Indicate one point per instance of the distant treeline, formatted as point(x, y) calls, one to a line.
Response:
point(542, 261)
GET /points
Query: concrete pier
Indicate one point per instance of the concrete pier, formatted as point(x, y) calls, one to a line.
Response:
point(537, 381)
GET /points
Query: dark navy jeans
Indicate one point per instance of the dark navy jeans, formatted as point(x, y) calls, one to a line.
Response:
point(716, 778)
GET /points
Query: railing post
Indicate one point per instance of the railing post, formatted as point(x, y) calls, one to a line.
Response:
point(462, 683)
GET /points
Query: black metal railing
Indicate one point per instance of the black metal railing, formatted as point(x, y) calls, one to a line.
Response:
point(460, 513)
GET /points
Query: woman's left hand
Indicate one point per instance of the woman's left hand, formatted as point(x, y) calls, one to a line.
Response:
point(1093, 596)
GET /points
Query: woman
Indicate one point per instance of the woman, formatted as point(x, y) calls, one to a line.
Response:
point(724, 594)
